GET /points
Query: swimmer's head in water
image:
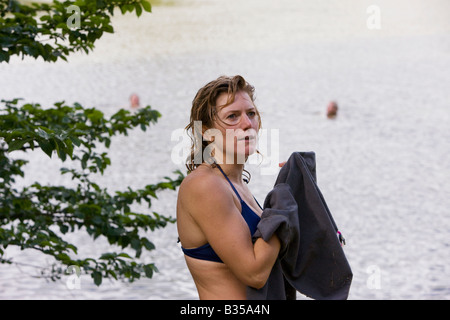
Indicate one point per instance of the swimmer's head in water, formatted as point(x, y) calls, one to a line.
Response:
point(332, 109)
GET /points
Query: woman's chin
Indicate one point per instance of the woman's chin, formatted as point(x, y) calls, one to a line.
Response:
point(244, 154)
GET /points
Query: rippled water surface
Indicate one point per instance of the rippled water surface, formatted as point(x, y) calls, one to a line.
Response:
point(383, 163)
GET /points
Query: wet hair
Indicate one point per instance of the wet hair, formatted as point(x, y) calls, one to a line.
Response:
point(205, 109)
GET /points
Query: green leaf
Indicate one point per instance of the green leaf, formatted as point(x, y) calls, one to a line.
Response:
point(46, 146)
point(138, 9)
point(148, 269)
point(16, 144)
point(135, 243)
point(60, 149)
point(108, 256)
point(75, 140)
point(97, 276)
point(63, 26)
point(147, 244)
point(63, 229)
point(146, 5)
point(43, 134)
point(63, 257)
point(112, 273)
point(4, 56)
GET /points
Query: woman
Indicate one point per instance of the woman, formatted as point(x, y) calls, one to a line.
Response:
point(216, 212)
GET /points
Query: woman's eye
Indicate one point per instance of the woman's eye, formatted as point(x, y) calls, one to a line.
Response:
point(252, 114)
point(231, 116)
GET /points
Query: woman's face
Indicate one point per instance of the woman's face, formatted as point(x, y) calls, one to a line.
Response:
point(238, 124)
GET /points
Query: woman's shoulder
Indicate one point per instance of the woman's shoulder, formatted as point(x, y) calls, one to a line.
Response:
point(202, 182)
point(204, 194)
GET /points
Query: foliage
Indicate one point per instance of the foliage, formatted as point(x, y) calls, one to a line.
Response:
point(44, 30)
point(28, 217)
point(38, 217)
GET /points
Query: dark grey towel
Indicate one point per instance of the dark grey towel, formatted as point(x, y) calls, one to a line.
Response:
point(311, 258)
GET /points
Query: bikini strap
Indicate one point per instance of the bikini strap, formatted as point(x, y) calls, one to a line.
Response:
point(232, 186)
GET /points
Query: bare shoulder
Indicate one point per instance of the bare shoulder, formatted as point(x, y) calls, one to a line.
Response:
point(201, 187)
point(200, 183)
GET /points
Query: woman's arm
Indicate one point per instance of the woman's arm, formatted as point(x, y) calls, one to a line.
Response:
point(211, 204)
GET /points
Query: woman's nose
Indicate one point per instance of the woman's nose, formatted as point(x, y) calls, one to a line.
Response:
point(246, 123)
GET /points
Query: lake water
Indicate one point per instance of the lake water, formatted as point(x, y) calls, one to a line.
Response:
point(382, 164)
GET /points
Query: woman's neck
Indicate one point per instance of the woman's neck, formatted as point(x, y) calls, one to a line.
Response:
point(233, 171)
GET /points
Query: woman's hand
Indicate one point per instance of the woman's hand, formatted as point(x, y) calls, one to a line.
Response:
point(281, 164)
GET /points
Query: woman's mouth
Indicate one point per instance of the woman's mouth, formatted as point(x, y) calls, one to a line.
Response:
point(247, 138)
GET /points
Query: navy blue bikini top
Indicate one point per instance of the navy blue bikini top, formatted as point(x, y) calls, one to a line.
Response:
point(206, 252)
